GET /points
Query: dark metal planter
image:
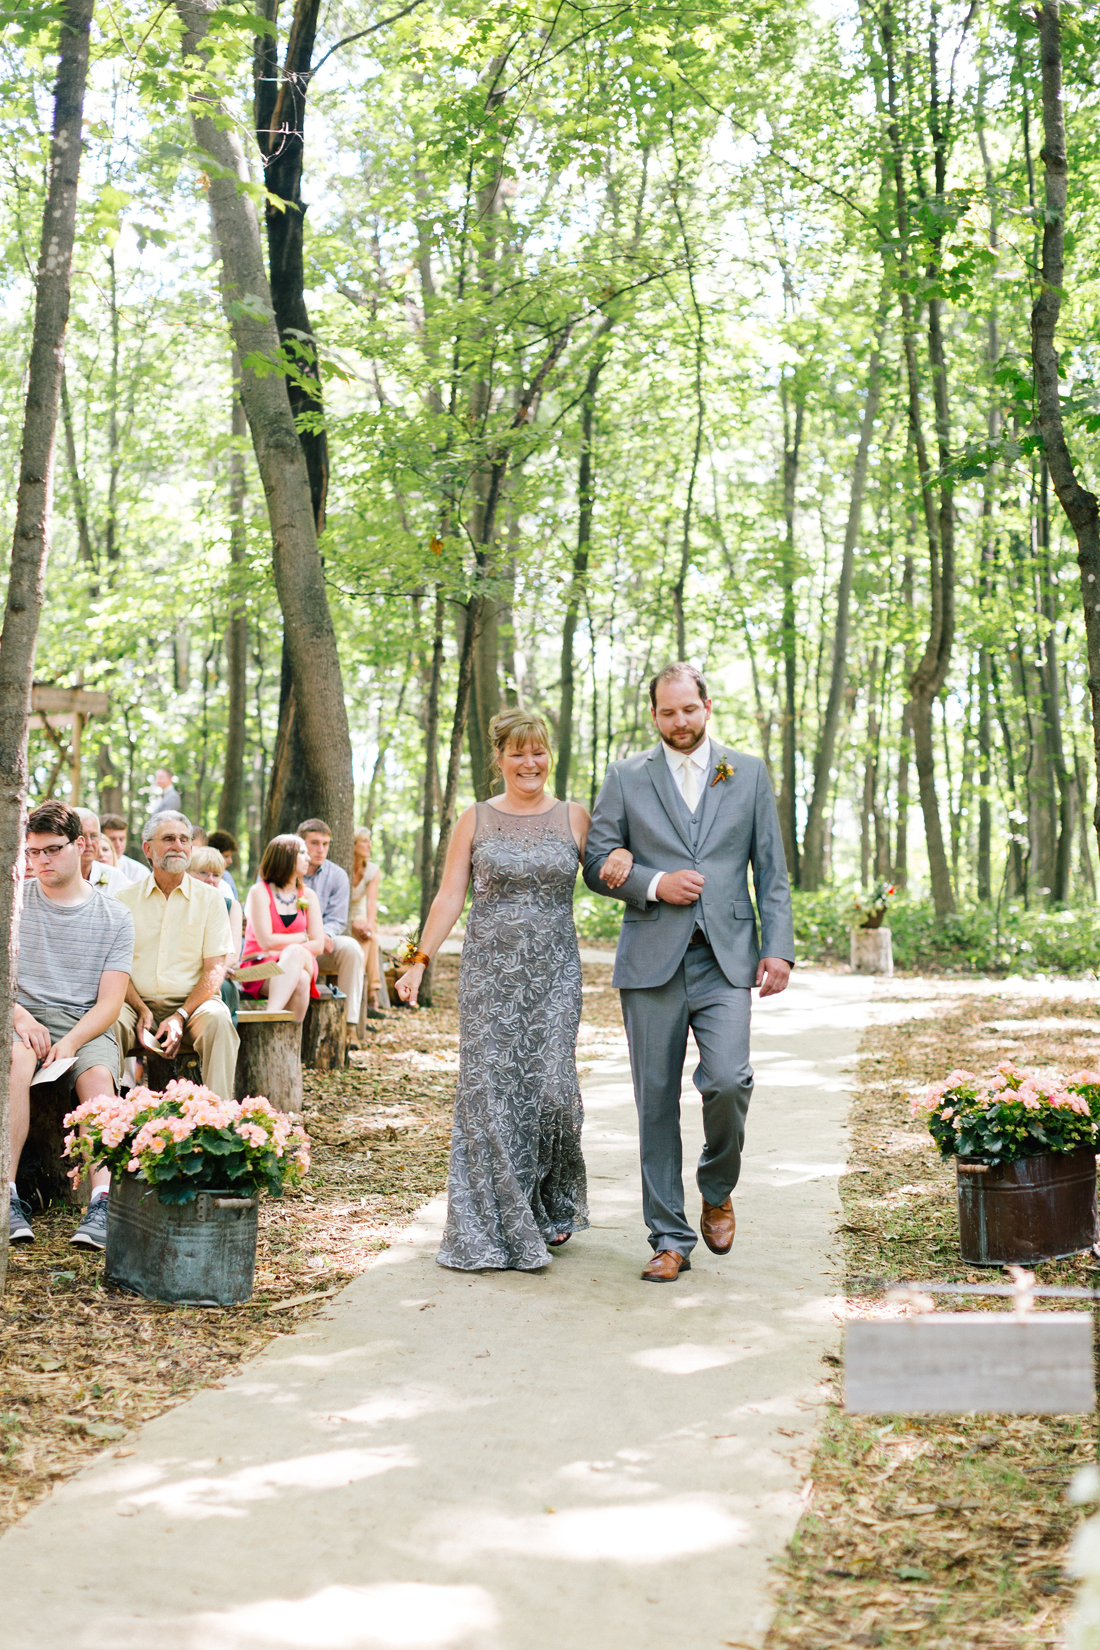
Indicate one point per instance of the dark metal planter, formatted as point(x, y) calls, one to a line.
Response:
point(1038, 1208)
point(200, 1254)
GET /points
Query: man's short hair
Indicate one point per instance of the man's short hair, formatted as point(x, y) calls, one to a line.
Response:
point(55, 819)
point(314, 825)
point(224, 841)
point(163, 818)
point(113, 822)
point(672, 673)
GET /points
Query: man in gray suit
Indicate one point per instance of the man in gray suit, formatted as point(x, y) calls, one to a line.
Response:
point(694, 814)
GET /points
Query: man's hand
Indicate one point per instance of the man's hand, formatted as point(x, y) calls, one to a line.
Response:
point(63, 1049)
point(30, 1033)
point(772, 975)
point(170, 1035)
point(330, 943)
point(680, 887)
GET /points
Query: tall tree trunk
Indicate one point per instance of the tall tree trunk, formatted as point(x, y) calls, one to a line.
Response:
point(788, 801)
point(33, 511)
point(986, 580)
point(280, 112)
point(431, 774)
point(299, 580)
point(236, 634)
point(1061, 781)
point(1080, 506)
point(931, 671)
point(813, 846)
point(585, 505)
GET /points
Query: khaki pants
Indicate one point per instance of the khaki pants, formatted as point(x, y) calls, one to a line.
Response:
point(372, 964)
point(349, 973)
point(209, 1031)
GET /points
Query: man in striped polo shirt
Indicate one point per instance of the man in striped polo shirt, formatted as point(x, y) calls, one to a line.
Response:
point(76, 948)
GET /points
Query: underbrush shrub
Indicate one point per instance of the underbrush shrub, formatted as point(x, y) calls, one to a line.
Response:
point(974, 940)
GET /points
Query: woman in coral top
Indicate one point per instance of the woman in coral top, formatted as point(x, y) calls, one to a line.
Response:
point(283, 926)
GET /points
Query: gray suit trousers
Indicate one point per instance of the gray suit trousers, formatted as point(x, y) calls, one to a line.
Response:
point(698, 997)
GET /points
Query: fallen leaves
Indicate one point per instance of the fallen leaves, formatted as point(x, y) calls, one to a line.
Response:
point(946, 1531)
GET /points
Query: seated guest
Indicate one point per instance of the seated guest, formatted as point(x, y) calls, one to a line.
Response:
point(284, 926)
point(168, 798)
point(116, 830)
point(92, 868)
point(206, 865)
point(226, 844)
point(200, 838)
point(365, 880)
point(331, 885)
point(76, 947)
point(181, 945)
point(105, 853)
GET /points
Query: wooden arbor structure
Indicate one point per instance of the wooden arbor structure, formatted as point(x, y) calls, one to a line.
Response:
point(54, 709)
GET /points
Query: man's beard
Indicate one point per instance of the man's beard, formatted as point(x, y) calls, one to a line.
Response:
point(685, 749)
point(175, 862)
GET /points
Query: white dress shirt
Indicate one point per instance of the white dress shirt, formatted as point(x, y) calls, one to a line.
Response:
point(105, 877)
point(700, 762)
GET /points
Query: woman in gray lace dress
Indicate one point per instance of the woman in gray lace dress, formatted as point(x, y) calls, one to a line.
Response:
point(516, 1184)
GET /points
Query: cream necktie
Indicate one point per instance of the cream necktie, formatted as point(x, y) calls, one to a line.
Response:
point(689, 782)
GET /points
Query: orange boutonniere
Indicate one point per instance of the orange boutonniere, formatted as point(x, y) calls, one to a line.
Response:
point(721, 773)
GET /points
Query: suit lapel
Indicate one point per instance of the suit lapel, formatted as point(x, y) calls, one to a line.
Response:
point(665, 786)
point(714, 794)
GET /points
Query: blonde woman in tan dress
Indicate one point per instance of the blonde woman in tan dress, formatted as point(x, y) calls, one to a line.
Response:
point(363, 918)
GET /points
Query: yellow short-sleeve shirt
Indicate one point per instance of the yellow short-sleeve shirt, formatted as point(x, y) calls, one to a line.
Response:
point(172, 935)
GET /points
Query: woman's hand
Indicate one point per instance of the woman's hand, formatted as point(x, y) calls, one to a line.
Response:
point(408, 986)
point(616, 867)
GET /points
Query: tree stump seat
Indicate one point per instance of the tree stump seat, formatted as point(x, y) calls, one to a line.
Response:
point(270, 1057)
point(325, 1029)
point(43, 1169)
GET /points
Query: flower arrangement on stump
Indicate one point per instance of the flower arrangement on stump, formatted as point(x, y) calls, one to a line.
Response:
point(187, 1140)
point(1012, 1115)
point(870, 911)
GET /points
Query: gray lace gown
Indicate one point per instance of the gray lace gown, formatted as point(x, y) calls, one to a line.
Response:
point(516, 1173)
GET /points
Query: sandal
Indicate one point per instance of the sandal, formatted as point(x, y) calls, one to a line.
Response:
point(556, 1243)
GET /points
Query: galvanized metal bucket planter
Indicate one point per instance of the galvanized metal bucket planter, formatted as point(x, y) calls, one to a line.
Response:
point(1038, 1208)
point(199, 1254)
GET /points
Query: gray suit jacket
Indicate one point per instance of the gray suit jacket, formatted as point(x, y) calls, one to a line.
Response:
point(638, 808)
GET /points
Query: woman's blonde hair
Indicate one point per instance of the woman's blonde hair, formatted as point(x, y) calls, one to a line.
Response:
point(362, 833)
point(205, 862)
point(511, 729)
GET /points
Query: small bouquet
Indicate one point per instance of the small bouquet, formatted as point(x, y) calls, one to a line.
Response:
point(870, 911)
point(1011, 1115)
point(187, 1140)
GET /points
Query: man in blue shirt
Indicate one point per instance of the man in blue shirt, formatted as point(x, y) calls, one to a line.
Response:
point(333, 889)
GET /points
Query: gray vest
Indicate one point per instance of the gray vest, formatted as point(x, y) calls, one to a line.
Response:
point(692, 822)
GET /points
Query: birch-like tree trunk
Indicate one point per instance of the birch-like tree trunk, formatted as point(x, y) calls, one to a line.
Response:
point(33, 509)
point(321, 713)
point(813, 845)
point(1080, 506)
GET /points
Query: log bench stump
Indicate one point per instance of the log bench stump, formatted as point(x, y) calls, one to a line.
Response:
point(43, 1172)
point(270, 1058)
point(325, 1030)
point(159, 1071)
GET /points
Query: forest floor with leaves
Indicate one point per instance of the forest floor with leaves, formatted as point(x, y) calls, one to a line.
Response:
point(953, 1531)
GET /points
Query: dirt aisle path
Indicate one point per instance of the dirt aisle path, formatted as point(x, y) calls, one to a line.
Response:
point(503, 1461)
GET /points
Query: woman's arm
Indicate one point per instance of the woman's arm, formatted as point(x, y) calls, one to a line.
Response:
point(579, 819)
point(447, 905)
point(236, 928)
point(372, 904)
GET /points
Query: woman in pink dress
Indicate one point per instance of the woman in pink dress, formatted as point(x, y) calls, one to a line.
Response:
point(283, 926)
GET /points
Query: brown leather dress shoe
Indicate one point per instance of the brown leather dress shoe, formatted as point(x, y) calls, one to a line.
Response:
point(718, 1225)
point(666, 1266)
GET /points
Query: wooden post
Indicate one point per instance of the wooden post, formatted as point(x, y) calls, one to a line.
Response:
point(75, 759)
point(324, 1032)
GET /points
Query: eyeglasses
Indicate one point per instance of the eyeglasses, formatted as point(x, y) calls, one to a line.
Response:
point(47, 853)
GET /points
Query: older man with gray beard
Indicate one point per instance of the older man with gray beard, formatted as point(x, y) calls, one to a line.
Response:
point(181, 944)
